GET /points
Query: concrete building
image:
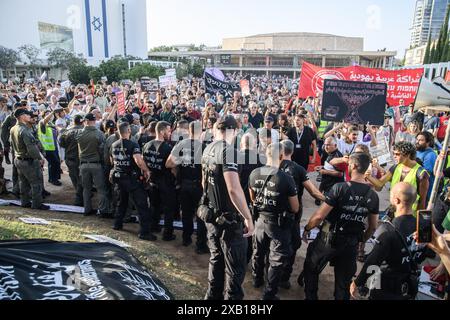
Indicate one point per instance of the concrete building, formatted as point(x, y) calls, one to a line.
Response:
point(428, 18)
point(415, 56)
point(97, 29)
point(283, 53)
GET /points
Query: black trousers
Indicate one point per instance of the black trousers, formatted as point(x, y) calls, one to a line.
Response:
point(342, 256)
point(126, 187)
point(54, 165)
point(274, 241)
point(162, 199)
point(227, 262)
point(296, 243)
point(190, 195)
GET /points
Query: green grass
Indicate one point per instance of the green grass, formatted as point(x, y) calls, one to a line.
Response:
point(167, 268)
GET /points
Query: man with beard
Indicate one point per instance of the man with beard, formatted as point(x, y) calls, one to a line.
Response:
point(426, 154)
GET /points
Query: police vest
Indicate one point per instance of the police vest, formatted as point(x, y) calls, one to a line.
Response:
point(322, 127)
point(46, 139)
point(411, 178)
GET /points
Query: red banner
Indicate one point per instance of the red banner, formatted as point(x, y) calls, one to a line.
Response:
point(447, 77)
point(120, 103)
point(402, 84)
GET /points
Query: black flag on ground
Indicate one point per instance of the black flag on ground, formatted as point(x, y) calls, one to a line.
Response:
point(214, 85)
point(48, 270)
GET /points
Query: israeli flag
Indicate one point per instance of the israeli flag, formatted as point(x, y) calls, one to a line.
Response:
point(97, 28)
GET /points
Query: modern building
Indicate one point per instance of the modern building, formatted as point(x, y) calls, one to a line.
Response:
point(283, 53)
point(97, 29)
point(429, 16)
point(415, 56)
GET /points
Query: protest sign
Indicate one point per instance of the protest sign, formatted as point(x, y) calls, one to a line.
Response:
point(149, 85)
point(245, 86)
point(167, 81)
point(402, 84)
point(354, 102)
point(171, 72)
point(214, 85)
point(120, 103)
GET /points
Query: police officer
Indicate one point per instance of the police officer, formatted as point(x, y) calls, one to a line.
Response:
point(187, 156)
point(128, 180)
point(396, 249)
point(274, 195)
point(10, 121)
point(162, 181)
point(72, 159)
point(226, 241)
point(346, 207)
point(28, 161)
point(90, 145)
point(300, 176)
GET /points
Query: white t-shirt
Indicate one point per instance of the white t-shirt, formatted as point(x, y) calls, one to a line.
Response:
point(274, 134)
point(346, 148)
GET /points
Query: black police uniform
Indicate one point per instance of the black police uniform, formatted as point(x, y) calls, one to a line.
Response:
point(300, 176)
point(272, 234)
point(162, 191)
point(399, 262)
point(226, 242)
point(126, 177)
point(188, 155)
point(351, 206)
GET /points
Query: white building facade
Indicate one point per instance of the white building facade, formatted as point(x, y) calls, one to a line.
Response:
point(97, 29)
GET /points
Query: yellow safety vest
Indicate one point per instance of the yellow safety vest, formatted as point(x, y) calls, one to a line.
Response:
point(323, 125)
point(410, 178)
point(46, 139)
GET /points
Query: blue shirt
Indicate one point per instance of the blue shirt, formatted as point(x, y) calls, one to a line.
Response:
point(428, 158)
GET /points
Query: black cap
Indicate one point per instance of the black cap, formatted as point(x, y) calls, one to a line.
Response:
point(110, 124)
point(268, 119)
point(129, 118)
point(21, 112)
point(78, 119)
point(58, 110)
point(227, 122)
point(17, 105)
point(89, 117)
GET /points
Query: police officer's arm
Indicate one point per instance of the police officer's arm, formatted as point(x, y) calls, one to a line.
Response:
point(294, 204)
point(372, 220)
point(173, 160)
point(236, 193)
point(139, 159)
point(30, 143)
point(313, 191)
point(319, 216)
point(47, 119)
point(5, 132)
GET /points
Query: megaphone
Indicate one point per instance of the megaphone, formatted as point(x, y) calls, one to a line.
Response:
point(432, 94)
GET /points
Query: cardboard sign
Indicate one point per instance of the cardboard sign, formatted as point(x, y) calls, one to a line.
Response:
point(167, 81)
point(354, 102)
point(171, 72)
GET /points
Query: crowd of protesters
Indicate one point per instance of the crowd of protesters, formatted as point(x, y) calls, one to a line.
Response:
point(80, 126)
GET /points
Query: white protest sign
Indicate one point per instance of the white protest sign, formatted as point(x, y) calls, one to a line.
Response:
point(381, 150)
point(171, 72)
point(65, 84)
point(167, 81)
point(35, 221)
point(105, 239)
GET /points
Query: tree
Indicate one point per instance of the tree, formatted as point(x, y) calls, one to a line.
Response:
point(197, 70)
point(80, 73)
point(192, 47)
point(163, 49)
point(63, 59)
point(111, 68)
point(443, 37)
point(446, 51)
point(427, 56)
point(8, 58)
point(142, 70)
point(432, 53)
point(31, 53)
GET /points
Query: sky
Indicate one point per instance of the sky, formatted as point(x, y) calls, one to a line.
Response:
point(382, 23)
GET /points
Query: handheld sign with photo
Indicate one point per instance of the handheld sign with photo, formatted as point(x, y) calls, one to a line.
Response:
point(149, 85)
point(354, 102)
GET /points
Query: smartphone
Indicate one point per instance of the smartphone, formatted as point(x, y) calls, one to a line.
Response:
point(424, 226)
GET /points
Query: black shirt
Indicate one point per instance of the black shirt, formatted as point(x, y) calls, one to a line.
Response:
point(327, 180)
point(122, 152)
point(257, 120)
point(303, 146)
point(351, 206)
point(390, 249)
point(251, 160)
point(275, 196)
point(188, 156)
point(218, 158)
point(155, 155)
point(298, 173)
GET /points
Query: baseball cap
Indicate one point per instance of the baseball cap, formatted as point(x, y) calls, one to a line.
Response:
point(268, 119)
point(110, 124)
point(228, 122)
point(78, 118)
point(89, 117)
point(21, 112)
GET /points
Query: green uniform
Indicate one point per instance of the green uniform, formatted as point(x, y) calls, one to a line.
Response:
point(70, 144)
point(91, 143)
point(27, 157)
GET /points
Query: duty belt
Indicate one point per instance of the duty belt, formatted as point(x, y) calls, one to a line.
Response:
point(89, 162)
point(25, 159)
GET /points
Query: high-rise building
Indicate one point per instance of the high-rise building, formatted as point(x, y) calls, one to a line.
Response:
point(428, 19)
